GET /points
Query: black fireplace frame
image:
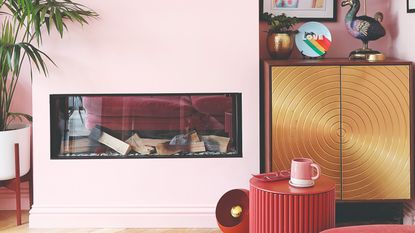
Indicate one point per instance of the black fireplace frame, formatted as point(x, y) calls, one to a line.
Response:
point(237, 125)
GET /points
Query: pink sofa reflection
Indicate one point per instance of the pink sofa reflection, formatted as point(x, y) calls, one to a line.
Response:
point(200, 112)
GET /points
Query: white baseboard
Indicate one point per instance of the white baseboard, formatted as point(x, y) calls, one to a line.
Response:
point(8, 199)
point(122, 217)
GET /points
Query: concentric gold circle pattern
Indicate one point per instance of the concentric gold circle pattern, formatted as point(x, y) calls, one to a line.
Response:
point(352, 120)
point(376, 139)
point(306, 117)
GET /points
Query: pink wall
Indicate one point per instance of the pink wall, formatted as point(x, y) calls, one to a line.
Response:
point(343, 43)
point(402, 31)
point(148, 47)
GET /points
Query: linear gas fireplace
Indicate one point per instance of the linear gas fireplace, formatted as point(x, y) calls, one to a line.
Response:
point(145, 126)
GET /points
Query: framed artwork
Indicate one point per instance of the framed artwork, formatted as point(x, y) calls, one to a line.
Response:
point(316, 10)
point(410, 6)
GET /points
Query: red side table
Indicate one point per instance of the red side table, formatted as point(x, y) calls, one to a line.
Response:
point(277, 207)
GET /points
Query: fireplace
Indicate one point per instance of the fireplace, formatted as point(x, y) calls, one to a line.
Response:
point(145, 125)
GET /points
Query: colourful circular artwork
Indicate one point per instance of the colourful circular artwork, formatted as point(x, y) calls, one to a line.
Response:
point(313, 39)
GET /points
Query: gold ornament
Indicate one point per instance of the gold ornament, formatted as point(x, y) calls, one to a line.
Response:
point(236, 211)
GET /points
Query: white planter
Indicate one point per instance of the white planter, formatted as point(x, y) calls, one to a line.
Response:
point(18, 133)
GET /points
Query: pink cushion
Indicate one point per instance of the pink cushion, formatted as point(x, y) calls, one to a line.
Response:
point(133, 123)
point(212, 104)
point(197, 121)
point(204, 112)
point(144, 106)
point(373, 229)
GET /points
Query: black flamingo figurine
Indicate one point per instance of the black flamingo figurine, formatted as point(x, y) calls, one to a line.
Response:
point(364, 28)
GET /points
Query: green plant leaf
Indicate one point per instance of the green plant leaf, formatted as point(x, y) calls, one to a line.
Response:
point(23, 25)
point(12, 116)
point(58, 22)
point(279, 23)
point(21, 116)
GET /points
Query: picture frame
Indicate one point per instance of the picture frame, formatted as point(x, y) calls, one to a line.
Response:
point(410, 6)
point(305, 10)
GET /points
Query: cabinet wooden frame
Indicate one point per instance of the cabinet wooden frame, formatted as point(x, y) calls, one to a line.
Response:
point(267, 106)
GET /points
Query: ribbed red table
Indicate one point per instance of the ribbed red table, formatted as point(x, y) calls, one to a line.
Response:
point(277, 207)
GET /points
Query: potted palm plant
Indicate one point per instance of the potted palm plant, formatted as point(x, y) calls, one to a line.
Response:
point(280, 39)
point(24, 23)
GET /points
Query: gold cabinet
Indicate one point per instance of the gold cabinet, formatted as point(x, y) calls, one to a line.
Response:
point(351, 118)
point(376, 125)
point(306, 117)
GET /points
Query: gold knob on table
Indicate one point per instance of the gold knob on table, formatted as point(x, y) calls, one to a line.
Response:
point(236, 211)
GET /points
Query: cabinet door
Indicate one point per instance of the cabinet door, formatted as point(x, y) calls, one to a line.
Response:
point(375, 132)
point(305, 117)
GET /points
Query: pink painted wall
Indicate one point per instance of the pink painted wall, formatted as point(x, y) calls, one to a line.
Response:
point(402, 31)
point(148, 47)
point(343, 43)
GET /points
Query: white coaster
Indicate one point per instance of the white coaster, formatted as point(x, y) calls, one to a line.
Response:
point(301, 185)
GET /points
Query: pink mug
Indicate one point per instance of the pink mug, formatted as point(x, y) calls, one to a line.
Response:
point(302, 172)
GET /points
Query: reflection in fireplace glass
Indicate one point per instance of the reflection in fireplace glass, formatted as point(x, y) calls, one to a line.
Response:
point(145, 126)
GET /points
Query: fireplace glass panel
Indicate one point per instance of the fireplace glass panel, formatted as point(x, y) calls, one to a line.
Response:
point(145, 126)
